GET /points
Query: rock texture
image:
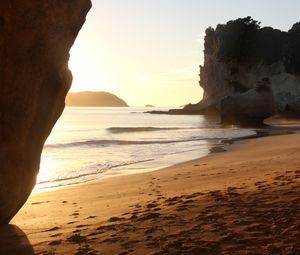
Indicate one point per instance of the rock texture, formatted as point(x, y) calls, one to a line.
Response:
point(89, 98)
point(249, 108)
point(35, 40)
point(240, 53)
point(218, 82)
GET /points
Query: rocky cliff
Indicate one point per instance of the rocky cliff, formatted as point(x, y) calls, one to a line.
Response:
point(240, 53)
point(35, 40)
point(249, 108)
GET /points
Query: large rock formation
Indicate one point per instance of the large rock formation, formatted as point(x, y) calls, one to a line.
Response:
point(249, 108)
point(240, 53)
point(35, 40)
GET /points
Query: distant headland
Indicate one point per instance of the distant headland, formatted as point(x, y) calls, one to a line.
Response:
point(89, 98)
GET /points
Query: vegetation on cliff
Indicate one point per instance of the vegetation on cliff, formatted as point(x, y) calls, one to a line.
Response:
point(292, 56)
point(245, 42)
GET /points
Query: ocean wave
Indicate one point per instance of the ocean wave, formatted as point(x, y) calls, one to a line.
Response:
point(208, 136)
point(101, 169)
point(103, 143)
point(118, 130)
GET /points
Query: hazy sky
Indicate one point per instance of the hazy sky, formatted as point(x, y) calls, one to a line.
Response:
point(149, 51)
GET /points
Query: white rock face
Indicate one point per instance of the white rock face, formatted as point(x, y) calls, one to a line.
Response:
point(219, 80)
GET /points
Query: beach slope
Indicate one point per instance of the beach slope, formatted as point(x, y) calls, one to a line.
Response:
point(243, 201)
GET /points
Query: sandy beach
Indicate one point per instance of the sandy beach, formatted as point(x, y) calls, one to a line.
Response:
point(243, 201)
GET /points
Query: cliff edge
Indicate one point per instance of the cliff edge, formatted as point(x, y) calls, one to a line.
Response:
point(35, 40)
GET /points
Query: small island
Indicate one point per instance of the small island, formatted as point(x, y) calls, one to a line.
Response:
point(90, 98)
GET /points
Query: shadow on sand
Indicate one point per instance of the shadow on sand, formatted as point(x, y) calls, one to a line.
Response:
point(13, 241)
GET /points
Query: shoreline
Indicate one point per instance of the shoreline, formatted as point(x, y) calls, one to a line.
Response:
point(160, 211)
point(222, 146)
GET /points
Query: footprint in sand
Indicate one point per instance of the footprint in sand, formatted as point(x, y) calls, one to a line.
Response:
point(189, 201)
point(38, 203)
point(77, 239)
point(297, 174)
point(52, 229)
point(75, 214)
point(149, 216)
point(114, 219)
point(181, 208)
point(124, 253)
point(91, 217)
point(55, 235)
point(83, 226)
point(55, 242)
point(86, 249)
point(194, 195)
point(161, 197)
point(152, 208)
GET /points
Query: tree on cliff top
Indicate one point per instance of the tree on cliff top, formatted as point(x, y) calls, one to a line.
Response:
point(292, 54)
point(236, 38)
point(244, 42)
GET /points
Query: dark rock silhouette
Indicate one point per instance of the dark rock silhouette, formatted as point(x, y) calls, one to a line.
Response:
point(89, 98)
point(191, 109)
point(35, 40)
point(249, 108)
point(13, 241)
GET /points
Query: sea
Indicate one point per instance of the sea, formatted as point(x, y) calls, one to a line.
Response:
point(89, 143)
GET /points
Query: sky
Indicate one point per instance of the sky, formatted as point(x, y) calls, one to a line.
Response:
point(149, 51)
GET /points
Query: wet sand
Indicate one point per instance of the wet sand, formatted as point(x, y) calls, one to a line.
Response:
point(243, 201)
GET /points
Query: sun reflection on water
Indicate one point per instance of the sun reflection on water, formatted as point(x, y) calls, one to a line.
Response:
point(46, 172)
